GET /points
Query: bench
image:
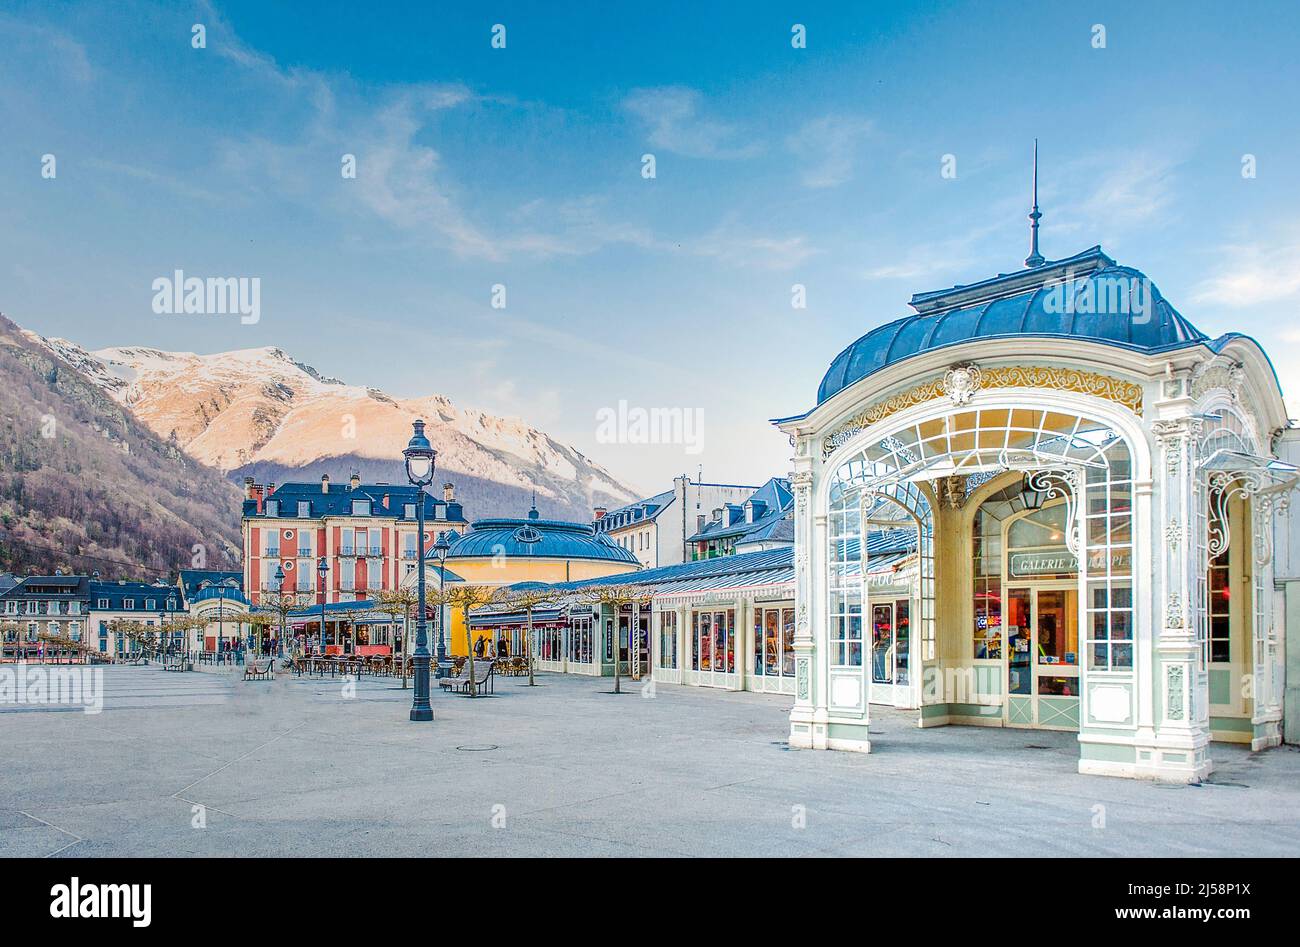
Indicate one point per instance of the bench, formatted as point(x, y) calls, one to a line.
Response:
point(457, 676)
point(482, 675)
point(258, 670)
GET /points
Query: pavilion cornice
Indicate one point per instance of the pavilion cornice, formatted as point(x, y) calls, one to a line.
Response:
point(961, 382)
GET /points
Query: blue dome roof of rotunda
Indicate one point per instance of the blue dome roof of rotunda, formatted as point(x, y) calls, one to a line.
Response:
point(1025, 304)
point(537, 538)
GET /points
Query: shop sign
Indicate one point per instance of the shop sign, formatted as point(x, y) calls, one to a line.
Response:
point(1063, 562)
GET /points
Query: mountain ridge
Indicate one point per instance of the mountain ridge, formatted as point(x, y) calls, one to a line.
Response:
point(260, 412)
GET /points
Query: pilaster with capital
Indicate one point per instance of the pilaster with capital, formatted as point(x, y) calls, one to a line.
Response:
point(1180, 691)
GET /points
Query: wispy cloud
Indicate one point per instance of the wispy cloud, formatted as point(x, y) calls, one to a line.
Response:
point(828, 147)
point(674, 120)
point(734, 246)
point(1120, 191)
point(64, 55)
point(1254, 273)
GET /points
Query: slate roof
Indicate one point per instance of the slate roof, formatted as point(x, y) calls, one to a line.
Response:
point(338, 501)
point(776, 497)
point(641, 511)
point(537, 538)
point(138, 593)
point(1023, 304)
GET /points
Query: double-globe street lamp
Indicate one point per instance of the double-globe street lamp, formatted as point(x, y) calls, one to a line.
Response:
point(420, 457)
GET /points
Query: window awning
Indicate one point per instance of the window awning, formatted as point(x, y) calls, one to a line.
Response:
point(1269, 474)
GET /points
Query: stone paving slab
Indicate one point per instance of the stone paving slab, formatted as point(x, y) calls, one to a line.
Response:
point(310, 766)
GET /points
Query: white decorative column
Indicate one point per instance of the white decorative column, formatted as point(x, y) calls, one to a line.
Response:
point(1180, 682)
point(808, 715)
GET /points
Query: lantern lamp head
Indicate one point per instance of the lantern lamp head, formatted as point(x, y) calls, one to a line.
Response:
point(1033, 498)
point(420, 457)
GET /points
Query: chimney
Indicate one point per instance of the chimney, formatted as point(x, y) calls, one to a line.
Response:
point(356, 480)
point(324, 483)
point(448, 492)
point(248, 488)
point(270, 488)
point(385, 501)
point(600, 512)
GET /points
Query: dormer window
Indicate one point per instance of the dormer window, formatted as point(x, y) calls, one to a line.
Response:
point(171, 605)
point(101, 603)
point(150, 604)
point(408, 511)
point(304, 508)
point(272, 507)
point(128, 605)
point(360, 507)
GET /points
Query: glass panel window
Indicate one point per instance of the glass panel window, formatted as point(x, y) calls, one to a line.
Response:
point(668, 639)
point(882, 644)
point(1219, 603)
point(902, 639)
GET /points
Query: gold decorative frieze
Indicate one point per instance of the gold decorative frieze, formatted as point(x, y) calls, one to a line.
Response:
point(961, 384)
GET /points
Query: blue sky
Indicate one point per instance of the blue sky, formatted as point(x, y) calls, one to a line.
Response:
point(522, 166)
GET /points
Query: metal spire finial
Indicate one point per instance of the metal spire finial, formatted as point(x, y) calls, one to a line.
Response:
point(1035, 258)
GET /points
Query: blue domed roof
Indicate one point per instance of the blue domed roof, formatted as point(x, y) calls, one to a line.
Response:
point(1080, 297)
point(538, 539)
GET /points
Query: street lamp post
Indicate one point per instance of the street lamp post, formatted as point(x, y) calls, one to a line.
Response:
point(279, 594)
point(420, 457)
point(221, 617)
point(322, 568)
point(440, 549)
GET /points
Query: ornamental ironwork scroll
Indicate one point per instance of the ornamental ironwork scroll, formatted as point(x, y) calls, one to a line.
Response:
point(1266, 498)
point(1064, 483)
point(961, 383)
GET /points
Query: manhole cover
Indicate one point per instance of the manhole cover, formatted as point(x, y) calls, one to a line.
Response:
point(1036, 746)
point(477, 747)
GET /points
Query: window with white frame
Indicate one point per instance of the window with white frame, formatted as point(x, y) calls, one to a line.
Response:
point(774, 641)
point(668, 639)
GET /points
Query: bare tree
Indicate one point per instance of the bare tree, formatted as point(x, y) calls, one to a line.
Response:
point(280, 603)
point(615, 597)
point(397, 604)
point(528, 598)
point(467, 597)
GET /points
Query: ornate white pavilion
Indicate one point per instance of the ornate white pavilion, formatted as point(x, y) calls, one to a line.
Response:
point(1092, 482)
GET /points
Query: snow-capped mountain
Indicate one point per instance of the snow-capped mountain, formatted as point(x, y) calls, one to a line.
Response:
point(261, 413)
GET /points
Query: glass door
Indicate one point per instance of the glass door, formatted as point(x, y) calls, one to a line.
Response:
point(1042, 625)
point(1056, 658)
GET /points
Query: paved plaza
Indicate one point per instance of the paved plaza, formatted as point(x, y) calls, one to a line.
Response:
point(296, 767)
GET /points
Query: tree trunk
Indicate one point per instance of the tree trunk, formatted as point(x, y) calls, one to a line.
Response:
point(469, 651)
point(406, 641)
point(618, 679)
point(528, 647)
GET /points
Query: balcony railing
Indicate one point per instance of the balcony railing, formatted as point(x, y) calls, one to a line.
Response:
point(376, 550)
point(408, 554)
point(272, 552)
point(304, 552)
point(346, 551)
